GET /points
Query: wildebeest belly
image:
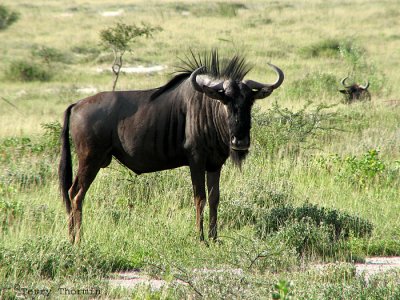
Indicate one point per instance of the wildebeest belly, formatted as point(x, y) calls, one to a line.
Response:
point(150, 142)
point(142, 162)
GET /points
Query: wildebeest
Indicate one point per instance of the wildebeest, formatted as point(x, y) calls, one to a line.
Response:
point(355, 91)
point(198, 119)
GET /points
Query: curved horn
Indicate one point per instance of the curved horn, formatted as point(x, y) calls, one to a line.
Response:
point(193, 79)
point(199, 81)
point(254, 85)
point(343, 81)
point(365, 86)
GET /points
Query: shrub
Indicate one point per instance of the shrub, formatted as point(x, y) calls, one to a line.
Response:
point(28, 71)
point(282, 290)
point(340, 223)
point(306, 237)
point(51, 137)
point(312, 231)
point(365, 168)
point(7, 17)
point(281, 130)
point(363, 171)
point(245, 206)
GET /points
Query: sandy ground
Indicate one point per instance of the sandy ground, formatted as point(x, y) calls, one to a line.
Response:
point(132, 279)
point(375, 265)
point(372, 265)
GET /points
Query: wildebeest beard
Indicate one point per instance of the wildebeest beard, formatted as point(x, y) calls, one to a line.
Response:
point(238, 157)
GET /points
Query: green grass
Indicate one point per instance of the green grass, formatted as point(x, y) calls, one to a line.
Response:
point(308, 150)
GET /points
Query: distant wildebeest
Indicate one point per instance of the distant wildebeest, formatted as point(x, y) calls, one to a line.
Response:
point(355, 91)
point(198, 119)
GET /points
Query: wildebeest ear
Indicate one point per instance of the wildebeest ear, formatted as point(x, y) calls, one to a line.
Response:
point(343, 91)
point(215, 94)
point(262, 93)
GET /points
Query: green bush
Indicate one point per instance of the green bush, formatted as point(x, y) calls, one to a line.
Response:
point(306, 237)
point(7, 17)
point(313, 231)
point(365, 168)
point(282, 290)
point(51, 137)
point(23, 70)
point(244, 207)
point(282, 131)
point(342, 225)
point(361, 171)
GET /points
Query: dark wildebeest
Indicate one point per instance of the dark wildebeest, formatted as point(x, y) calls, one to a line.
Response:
point(355, 91)
point(198, 119)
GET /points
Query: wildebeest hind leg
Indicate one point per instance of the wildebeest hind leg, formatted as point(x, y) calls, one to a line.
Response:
point(87, 171)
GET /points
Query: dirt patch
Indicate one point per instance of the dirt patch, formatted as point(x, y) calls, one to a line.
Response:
point(374, 265)
point(393, 102)
point(135, 70)
point(87, 90)
point(133, 279)
point(115, 13)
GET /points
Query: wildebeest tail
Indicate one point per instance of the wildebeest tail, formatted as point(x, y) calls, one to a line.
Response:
point(65, 166)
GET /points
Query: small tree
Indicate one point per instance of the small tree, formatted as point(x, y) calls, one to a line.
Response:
point(120, 38)
point(7, 17)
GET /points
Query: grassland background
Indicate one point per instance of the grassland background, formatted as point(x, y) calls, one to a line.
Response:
point(147, 222)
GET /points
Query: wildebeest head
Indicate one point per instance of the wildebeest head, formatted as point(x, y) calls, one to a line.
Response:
point(355, 91)
point(238, 96)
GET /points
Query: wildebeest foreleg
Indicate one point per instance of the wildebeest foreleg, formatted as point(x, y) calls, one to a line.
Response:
point(213, 200)
point(198, 181)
